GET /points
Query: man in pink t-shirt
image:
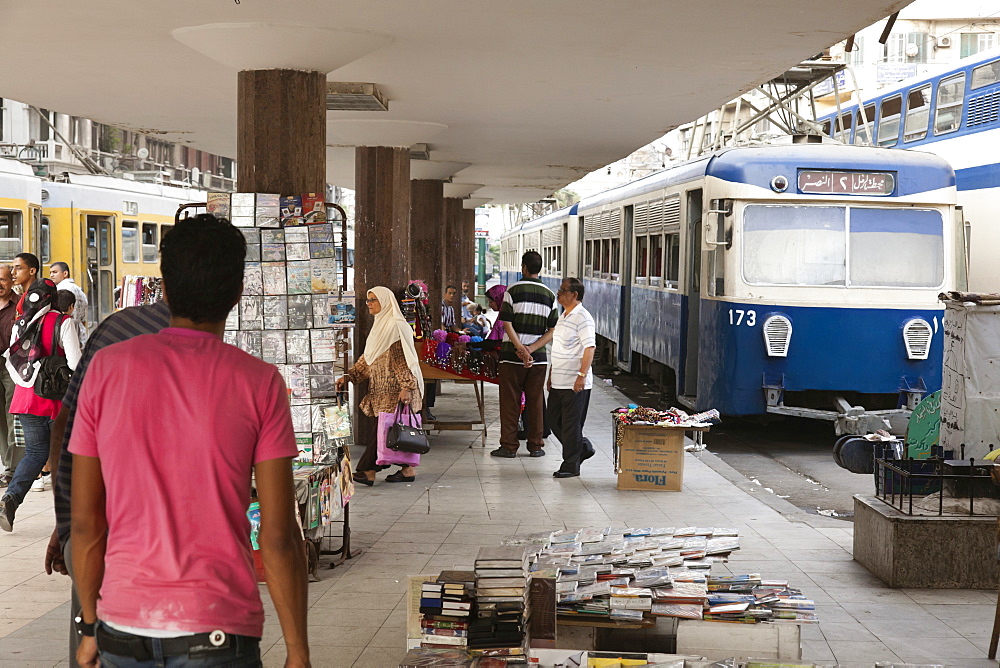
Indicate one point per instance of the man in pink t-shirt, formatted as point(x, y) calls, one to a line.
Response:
point(169, 429)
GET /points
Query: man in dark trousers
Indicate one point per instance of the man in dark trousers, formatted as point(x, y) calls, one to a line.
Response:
point(528, 313)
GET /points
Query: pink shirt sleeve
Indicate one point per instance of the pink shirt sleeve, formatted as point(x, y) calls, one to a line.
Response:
point(83, 440)
point(276, 438)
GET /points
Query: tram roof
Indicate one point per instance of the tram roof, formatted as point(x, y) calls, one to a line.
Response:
point(534, 95)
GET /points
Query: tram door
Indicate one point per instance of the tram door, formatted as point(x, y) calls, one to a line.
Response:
point(100, 266)
point(693, 291)
point(625, 310)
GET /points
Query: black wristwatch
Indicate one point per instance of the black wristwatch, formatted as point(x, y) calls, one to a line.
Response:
point(83, 628)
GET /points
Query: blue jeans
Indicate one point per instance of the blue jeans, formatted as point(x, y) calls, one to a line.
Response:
point(36, 453)
point(243, 652)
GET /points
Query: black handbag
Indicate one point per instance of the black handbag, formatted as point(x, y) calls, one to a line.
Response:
point(54, 373)
point(404, 437)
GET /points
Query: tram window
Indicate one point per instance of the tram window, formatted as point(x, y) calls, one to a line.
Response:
point(10, 235)
point(916, 237)
point(948, 114)
point(164, 229)
point(888, 123)
point(918, 105)
point(45, 240)
point(673, 260)
point(794, 245)
point(844, 128)
point(641, 258)
point(616, 251)
point(149, 242)
point(984, 75)
point(588, 258)
point(605, 257)
point(130, 242)
point(827, 124)
point(656, 260)
point(863, 134)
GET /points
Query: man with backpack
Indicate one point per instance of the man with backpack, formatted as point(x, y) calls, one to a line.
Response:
point(44, 346)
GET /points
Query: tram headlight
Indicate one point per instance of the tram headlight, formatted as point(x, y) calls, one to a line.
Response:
point(779, 184)
point(777, 335)
point(917, 334)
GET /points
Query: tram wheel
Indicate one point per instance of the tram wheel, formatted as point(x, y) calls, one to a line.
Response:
point(857, 455)
point(836, 449)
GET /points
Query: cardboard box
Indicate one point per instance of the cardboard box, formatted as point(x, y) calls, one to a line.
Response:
point(651, 458)
point(718, 641)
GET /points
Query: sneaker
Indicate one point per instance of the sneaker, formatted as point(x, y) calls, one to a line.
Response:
point(503, 452)
point(5, 479)
point(41, 484)
point(6, 514)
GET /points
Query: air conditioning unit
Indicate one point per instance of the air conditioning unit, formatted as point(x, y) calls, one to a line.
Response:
point(943, 42)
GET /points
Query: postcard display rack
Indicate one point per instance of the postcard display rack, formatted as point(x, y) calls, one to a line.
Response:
point(297, 315)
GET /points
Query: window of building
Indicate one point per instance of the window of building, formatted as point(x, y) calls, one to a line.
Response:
point(984, 75)
point(150, 244)
point(864, 125)
point(888, 123)
point(909, 47)
point(673, 260)
point(972, 43)
point(918, 105)
point(857, 56)
point(130, 241)
point(641, 259)
point(656, 260)
point(948, 112)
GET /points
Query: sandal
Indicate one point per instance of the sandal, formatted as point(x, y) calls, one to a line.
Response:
point(399, 477)
point(363, 479)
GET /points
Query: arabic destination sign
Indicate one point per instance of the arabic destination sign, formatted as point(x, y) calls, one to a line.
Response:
point(822, 182)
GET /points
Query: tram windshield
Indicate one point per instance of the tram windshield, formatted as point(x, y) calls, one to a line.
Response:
point(842, 246)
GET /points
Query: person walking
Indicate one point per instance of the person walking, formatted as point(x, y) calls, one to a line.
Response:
point(528, 313)
point(574, 340)
point(10, 454)
point(164, 569)
point(31, 340)
point(59, 273)
point(25, 271)
point(391, 366)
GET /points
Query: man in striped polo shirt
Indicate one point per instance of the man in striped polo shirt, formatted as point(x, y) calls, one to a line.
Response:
point(528, 314)
point(570, 377)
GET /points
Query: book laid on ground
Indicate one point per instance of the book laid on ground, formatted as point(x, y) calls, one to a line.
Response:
point(502, 557)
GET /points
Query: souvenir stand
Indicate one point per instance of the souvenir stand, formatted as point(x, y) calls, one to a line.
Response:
point(460, 359)
point(139, 291)
point(297, 314)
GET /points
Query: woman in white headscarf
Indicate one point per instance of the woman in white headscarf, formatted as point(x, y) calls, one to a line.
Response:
point(391, 366)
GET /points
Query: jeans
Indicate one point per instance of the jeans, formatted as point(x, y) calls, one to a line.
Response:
point(36, 453)
point(243, 652)
point(567, 413)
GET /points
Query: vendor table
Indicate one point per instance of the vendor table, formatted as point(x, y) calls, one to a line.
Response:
point(434, 373)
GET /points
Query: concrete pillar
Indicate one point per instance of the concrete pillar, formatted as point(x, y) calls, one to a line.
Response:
point(427, 232)
point(467, 228)
point(281, 132)
point(452, 241)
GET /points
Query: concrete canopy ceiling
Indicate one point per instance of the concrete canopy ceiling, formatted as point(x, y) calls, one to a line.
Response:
point(534, 95)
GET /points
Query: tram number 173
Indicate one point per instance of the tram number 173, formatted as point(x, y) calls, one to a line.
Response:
point(740, 317)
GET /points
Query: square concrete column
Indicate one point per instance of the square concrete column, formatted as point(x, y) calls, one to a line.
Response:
point(382, 248)
point(454, 269)
point(467, 227)
point(427, 233)
point(281, 132)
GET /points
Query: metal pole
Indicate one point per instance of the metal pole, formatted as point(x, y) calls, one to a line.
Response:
point(481, 278)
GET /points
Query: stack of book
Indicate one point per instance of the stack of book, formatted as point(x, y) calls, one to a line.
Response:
point(446, 609)
point(501, 587)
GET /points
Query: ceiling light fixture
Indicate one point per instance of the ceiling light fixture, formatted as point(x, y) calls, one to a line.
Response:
point(346, 96)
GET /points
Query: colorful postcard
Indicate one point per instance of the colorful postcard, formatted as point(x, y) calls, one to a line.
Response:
point(323, 276)
point(272, 236)
point(272, 252)
point(299, 278)
point(274, 278)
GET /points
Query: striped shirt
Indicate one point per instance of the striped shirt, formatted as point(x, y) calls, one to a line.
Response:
point(116, 328)
point(574, 333)
point(529, 306)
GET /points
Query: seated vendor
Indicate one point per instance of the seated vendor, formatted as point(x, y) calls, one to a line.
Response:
point(455, 317)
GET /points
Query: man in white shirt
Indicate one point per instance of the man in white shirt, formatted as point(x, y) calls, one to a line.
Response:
point(570, 377)
point(59, 273)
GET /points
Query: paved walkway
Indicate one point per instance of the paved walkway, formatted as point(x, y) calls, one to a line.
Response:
point(463, 498)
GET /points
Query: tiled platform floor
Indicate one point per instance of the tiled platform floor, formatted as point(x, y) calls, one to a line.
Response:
point(463, 498)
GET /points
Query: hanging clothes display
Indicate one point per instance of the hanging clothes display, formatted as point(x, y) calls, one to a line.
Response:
point(140, 291)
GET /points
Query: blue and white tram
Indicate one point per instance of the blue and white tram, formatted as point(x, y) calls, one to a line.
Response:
point(798, 279)
point(956, 115)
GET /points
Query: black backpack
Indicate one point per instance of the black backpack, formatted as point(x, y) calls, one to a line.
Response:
point(54, 373)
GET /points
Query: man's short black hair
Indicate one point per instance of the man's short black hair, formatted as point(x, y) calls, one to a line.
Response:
point(31, 260)
point(450, 287)
point(532, 261)
point(61, 266)
point(202, 265)
point(64, 300)
point(575, 285)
